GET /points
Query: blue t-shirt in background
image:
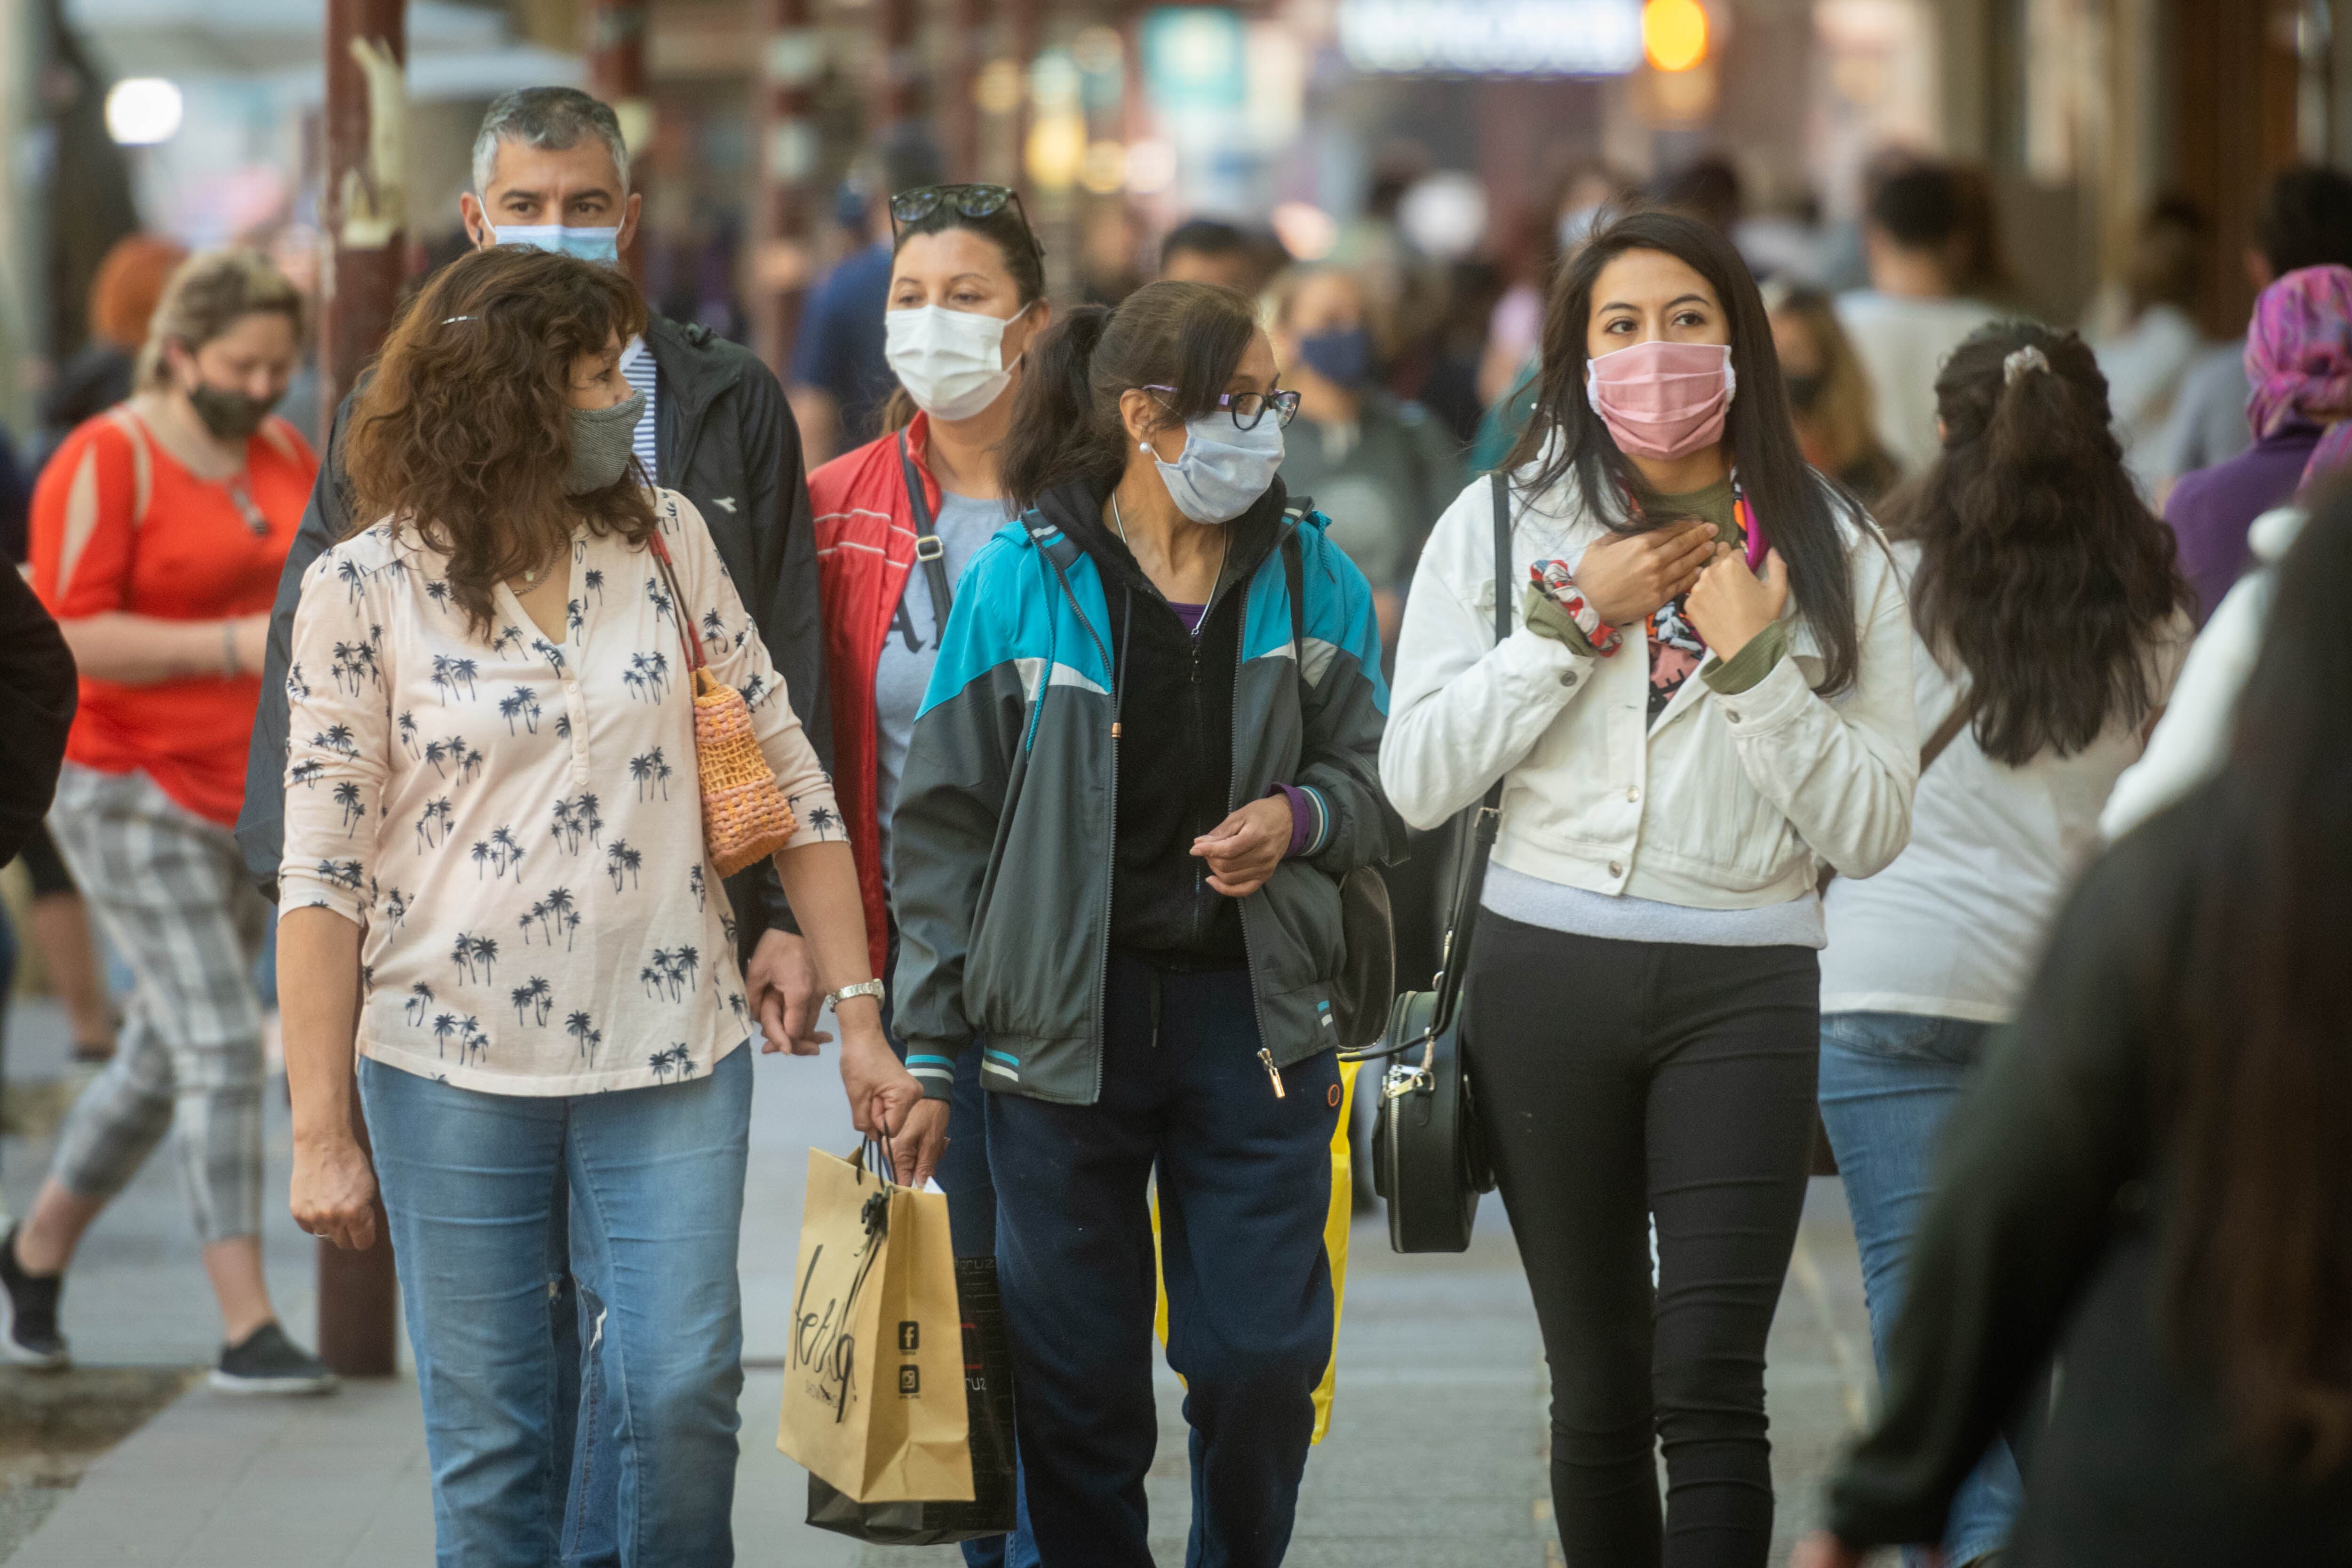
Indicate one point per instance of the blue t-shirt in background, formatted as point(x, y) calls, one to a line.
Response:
point(839, 346)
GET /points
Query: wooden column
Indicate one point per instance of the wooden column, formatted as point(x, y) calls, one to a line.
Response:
point(365, 222)
point(786, 157)
point(2234, 79)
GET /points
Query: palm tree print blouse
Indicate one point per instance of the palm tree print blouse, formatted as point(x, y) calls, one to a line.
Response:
point(515, 821)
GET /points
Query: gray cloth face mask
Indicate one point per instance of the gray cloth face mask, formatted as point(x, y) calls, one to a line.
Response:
point(602, 440)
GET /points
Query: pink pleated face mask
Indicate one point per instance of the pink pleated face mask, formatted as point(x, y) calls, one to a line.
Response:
point(1661, 399)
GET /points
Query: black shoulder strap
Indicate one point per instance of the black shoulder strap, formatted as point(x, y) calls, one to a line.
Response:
point(928, 548)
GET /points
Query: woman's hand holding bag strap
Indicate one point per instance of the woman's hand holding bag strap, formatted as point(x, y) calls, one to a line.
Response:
point(1429, 1159)
point(745, 817)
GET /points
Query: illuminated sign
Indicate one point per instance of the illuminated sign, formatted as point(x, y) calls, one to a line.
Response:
point(1493, 38)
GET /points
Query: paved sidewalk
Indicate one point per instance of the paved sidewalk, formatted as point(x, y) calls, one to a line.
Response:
point(1436, 1459)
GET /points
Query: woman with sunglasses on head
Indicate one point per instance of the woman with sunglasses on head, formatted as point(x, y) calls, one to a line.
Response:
point(527, 938)
point(1126, 805)
point(1707, 695)
point(897, 520)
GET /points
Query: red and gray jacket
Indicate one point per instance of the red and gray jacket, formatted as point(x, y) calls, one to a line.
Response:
point(864, 548)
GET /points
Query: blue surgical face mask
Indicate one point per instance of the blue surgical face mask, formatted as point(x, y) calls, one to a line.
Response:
point(1223, 470)
point(1343, 358)
point(601, 245)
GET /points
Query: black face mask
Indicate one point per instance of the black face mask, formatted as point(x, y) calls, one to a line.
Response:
point(229, 416)
point(1805, 391)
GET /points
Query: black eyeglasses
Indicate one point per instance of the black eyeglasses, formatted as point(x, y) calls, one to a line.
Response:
point(970, 201)
point(1248, 407)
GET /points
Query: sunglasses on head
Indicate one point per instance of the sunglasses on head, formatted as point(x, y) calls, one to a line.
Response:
point(969, 201)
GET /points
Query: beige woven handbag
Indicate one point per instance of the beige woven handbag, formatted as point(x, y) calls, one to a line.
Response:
point(745, 817)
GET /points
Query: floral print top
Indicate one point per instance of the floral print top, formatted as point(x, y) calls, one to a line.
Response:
point(515, 821)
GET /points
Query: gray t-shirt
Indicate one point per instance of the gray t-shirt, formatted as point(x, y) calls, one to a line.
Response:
point(912, 646)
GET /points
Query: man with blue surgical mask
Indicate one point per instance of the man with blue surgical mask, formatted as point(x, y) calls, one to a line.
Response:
point(550, 170)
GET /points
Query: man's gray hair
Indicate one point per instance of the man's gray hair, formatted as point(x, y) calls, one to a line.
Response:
point(550, 117)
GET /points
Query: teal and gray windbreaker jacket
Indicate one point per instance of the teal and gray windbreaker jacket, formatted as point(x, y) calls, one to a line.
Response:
point(1002, 839)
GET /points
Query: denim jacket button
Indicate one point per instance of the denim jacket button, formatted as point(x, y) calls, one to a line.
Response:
point(1568, 678)
point(1616, 869)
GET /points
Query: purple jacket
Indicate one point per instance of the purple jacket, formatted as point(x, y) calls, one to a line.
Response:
point(2211, 509)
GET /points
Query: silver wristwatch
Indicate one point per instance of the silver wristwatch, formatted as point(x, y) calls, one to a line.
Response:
point(873, 988)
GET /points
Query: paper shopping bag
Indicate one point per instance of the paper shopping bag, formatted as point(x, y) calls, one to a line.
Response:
point(873, 1384)
point(988, 1395)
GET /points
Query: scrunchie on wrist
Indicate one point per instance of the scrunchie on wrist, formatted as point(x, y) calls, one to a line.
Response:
point(1553, 580)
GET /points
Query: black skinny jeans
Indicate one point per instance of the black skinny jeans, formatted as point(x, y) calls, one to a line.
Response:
point(1619, 1080)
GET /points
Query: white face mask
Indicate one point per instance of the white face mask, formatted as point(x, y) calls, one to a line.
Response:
point(951, 363)
point(1221, 470)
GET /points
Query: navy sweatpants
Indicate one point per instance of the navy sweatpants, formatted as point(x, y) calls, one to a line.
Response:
point(1244, 1184)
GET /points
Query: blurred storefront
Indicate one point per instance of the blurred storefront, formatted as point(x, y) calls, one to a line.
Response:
point(1444, 127)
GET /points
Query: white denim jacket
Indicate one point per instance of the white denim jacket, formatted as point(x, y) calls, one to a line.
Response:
point(1728, 801)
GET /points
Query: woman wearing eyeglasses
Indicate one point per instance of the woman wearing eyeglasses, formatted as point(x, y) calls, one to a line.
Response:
point(1126, 805)
point(897, 520)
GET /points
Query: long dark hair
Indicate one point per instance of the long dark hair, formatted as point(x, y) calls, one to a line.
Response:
point(1065, 422)
point(1796, 508)
point(2040, 571)
point(2260, 1277)
point(1025, 259)
point(465, 431)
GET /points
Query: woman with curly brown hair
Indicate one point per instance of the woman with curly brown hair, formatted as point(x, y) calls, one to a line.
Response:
point(495, 877)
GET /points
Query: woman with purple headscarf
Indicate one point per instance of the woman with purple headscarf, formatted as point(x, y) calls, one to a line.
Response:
point(2299, 360)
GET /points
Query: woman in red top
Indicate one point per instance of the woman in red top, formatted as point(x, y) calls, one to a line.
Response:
point(159, 530)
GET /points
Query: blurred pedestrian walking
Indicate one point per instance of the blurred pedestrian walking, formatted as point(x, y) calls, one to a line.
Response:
point(122, 301)
point(523, 930)
point(840, 377)
point(1914, 312)
point(1146, 970)
point(2049, 623)
point(1683, 743)
point(897, 521)
point(1205, 250)
point(2149, 353)
point(2304, 219)
point(2148, 1180)
point(2299, 360)
point(1830, 395)
point(159, 530)
point(1382, 469)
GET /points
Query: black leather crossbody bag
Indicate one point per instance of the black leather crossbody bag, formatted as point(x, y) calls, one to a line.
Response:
point(1429, 1158)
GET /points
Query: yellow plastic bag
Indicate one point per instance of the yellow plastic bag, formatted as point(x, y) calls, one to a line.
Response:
point(1335, 1244)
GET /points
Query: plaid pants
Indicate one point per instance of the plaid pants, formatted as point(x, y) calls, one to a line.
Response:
point(169, 890)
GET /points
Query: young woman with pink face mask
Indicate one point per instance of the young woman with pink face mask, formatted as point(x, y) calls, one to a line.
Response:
point(1705, 698)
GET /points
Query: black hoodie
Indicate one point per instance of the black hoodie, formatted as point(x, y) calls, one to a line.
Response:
point(1175, 692)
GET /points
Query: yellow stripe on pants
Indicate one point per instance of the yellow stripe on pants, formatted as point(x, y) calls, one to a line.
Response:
point(1335, 1244)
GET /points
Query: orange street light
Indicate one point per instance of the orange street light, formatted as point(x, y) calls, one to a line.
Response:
point(1674, 34)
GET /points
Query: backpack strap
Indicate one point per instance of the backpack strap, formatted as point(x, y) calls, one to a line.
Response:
point(928, 548)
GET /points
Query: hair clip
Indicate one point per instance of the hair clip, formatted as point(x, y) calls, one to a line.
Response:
point(2020, 360)
point(447, 320)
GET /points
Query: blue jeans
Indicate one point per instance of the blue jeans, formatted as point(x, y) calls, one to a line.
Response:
point(1888, 1080)
point(655, 1190)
